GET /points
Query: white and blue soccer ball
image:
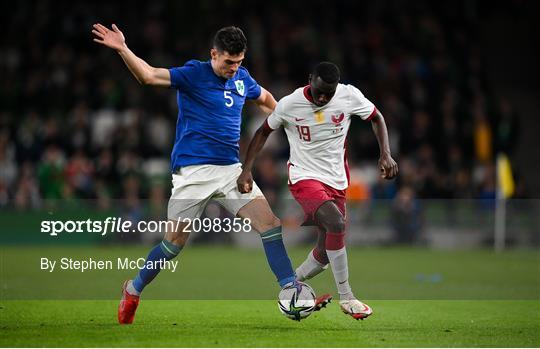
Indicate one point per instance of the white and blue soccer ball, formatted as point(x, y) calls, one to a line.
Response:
point(297, 301)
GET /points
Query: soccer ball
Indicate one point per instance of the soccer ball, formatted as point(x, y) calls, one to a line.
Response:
point(297, 301)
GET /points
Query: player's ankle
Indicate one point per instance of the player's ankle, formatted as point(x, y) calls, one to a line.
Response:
point(346, 296)
point(300, 277)
point(131, 289)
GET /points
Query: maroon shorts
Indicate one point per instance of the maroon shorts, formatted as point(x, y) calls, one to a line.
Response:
point(311, 194)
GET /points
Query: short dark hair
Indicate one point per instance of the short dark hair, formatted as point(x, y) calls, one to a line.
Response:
point(230, 39)
point(328, 72)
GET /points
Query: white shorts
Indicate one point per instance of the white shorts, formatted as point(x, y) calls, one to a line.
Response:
point(194, 186)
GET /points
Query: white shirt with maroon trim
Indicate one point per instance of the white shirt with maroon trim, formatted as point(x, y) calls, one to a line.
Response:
point(317, 134)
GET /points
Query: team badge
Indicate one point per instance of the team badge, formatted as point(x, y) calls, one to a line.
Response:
point(240, 86)
point(337, 119)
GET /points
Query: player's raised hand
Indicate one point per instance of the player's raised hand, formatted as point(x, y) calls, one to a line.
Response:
point(388, 167)
point(107, 37)
point(245, 182)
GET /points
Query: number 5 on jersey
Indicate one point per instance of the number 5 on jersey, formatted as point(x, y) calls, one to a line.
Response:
point(304, 133)
point(229, 100)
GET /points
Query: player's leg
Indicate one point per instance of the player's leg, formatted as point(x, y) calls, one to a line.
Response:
point(311, 194)
point(253, 206)
point(188, 199)
point(173, 242)
point(319, 251)
point(181, 205)
point(331, 218)
point(316, 261)
point(171, 245)
point(268, 225)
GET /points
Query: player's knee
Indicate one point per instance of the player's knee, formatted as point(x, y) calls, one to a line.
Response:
point(339, 225)
point(335, 224)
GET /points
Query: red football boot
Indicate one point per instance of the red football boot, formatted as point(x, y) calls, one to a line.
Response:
point(322, 301)
point(128, 305)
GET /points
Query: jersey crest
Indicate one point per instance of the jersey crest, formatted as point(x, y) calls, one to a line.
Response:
point(240, 86)
point(336, 119)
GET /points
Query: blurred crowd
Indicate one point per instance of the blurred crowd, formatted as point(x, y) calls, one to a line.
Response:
point(74, 123)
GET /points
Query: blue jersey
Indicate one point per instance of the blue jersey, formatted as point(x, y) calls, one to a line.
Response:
point(209, 114)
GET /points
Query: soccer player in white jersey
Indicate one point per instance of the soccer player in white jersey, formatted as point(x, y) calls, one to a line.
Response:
point(316, 119)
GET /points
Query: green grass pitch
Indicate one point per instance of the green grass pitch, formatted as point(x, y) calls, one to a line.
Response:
point(224, 297)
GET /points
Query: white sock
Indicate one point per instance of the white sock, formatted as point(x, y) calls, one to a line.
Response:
point(131, 290)
point(340, 269)
point(310, 268)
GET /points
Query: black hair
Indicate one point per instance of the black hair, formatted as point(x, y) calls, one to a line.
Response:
point(230, 39)
point(328, 72)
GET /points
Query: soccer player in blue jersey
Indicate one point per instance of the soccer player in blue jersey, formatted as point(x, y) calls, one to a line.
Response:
point(205, 160)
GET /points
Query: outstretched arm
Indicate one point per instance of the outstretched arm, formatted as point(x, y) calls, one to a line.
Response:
point(387, 165)
point(245, 180)
point(143, 72)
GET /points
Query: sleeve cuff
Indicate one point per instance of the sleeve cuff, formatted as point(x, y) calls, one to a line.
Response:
point(172, 76)
point(266, 126)
point(372, 115)
point(256, 95)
